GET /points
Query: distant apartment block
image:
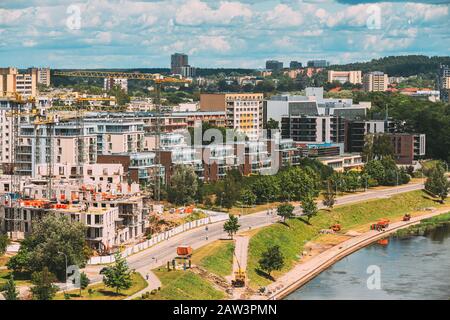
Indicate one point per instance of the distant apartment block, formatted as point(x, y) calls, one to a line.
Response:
point(274, 65)
point(179, 64)
point(295, 65)
point(353, 77)
point(444, 83)
point(243, 111)
point(42, 75)
point(318, 64)
point(12, 82)
point(375, 81)
point(110, 83)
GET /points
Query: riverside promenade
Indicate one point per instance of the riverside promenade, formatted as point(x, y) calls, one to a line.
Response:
point(304, 272)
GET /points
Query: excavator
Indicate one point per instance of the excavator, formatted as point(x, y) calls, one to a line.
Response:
point(239, 276)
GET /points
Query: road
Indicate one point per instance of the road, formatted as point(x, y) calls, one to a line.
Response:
point(159, 254)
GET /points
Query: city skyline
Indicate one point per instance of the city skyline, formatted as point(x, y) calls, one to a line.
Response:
point(127, 34)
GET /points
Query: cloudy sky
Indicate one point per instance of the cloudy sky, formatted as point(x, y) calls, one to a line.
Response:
point(228, 33)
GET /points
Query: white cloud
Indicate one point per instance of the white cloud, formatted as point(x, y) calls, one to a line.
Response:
point(283, 16)
point(196, 12)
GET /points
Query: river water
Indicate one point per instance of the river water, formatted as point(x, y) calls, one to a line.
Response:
point(417, 267)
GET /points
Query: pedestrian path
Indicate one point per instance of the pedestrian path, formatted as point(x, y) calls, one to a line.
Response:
point(152, 281)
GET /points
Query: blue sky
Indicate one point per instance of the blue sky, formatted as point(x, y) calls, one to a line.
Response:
point(231, 33)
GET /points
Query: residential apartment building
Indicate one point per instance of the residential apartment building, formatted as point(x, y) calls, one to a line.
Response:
point(313, 129)
point(353, 77)
point(12, 82)
point(139, 167)
point(62, 143)
point(244, 111)
point(110, 83)
point(357, 130)
point(42, 75)
point(375, 81)
point(218, 159)
point(408, 147)
point(117, 135)
point(444, 83)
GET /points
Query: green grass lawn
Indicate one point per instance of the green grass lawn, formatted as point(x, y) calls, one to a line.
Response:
point(292, 238)
point(184, 285)
point(216, 257)
point(101, 292)
point(20, 280)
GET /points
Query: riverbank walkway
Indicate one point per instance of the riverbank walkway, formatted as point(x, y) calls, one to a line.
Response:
point(304, 272)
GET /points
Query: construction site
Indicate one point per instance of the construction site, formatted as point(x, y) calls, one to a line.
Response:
point(49, 165)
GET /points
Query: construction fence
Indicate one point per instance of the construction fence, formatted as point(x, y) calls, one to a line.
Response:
point(157, 238)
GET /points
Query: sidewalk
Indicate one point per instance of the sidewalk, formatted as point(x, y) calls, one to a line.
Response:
point(153, 284)
point(304, 272)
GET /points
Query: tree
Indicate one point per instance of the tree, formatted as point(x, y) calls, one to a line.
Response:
point(4, 242)
point(121, 96)
point(51, 238)
point(437, 183)
point(229, 193)
point(248, 197)
point(375, 170)
point(84, 282)
point(271, 260)
point(377, 146)
point(297, 183)
point(352, 181)
point(183, 185)
point(329, 197)
point(286, 211)
point(271, 125)
point(309, 207)
point(231, 226)
point(43, 287)
point(266, 189)
point(118, 276)
point(10, 290)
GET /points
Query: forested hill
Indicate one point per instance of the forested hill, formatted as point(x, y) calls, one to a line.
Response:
point(398, 66)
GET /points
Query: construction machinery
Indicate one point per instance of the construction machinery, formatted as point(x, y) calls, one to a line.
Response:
point(159, 80)
point(239, 276)
point(407, 217)
point(380, 225)
point(184, 251)
point(336, 227)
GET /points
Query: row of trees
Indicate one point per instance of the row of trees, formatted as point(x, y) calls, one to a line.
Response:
point(296, 183)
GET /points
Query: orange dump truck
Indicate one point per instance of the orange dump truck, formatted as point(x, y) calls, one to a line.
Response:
point(184, 251)
point(380, 225)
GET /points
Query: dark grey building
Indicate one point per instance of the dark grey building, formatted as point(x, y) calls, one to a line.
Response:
point(295, 65)
point(274, 65)
point(318, 63)
point(178, 61)
point(313, 129)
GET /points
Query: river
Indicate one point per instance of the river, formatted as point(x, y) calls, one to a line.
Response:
point(417, 267)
